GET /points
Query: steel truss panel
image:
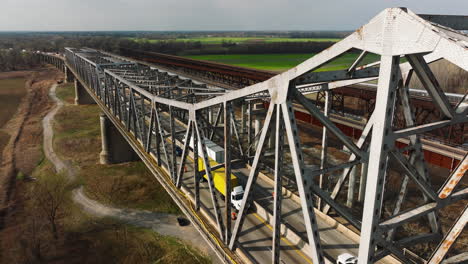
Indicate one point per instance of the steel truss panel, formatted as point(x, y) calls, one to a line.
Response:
point(159, 110)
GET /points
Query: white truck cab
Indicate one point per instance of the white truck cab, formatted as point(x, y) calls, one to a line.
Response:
point(236, 196)
point(346, 258)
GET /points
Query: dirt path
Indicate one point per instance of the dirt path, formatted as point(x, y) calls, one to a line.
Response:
point(165, 224)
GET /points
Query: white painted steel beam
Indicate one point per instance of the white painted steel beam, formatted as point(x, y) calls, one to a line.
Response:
point(380, 144)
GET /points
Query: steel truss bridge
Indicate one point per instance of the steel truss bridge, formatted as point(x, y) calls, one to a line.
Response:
point(157, 110)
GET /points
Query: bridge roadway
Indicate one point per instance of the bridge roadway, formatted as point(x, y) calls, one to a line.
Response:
point(256, 237)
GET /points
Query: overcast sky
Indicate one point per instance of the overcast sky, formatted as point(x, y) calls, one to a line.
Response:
point(89, 15)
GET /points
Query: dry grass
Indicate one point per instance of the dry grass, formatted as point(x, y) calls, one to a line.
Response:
point(77, 138)
point(127, 185)
point(4, 137)
point(77, 134)
point(14, 74)
point(28, 150)
point(11, 93)
point(82, 239)
point(66, 92)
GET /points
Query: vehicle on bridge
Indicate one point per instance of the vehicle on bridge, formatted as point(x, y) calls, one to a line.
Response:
point(346, 258)
point(216, 156)
point(219, 181)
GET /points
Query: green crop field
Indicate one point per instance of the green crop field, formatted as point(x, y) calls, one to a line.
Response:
point(239, 40)
point(281, 62)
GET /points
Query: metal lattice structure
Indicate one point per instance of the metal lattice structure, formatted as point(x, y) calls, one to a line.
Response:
point(158, 111)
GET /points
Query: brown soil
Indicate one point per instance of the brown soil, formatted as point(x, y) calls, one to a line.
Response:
point(23, 150)
point(15, 74)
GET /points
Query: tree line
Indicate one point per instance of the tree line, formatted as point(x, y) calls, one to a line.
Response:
point(15, 59)
point(113, 43)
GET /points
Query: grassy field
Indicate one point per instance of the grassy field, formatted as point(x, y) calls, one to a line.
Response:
point(239, 40)
point(66, 92)
point(280, 62)
point(126, 185)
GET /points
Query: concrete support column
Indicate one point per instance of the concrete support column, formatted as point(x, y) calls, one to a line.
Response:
point(81, 95)
point(115, 149)
point(69, 77)
point(65, 73)
point(104, 155)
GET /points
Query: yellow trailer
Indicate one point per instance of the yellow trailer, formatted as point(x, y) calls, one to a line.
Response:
point(219, 176)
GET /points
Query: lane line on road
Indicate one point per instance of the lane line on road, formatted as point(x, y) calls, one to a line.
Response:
point(296, 249)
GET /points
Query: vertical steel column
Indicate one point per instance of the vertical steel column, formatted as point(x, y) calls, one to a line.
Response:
point(227, 167)
point(142, 119)
point(324, 152)
point(195, 168)
point(380, 145)
point(249, 132)
point(158, 133)
point(243, 113)
point(173, 145)
point(279, 143)
point(162, 140)
point(303, 183)
point(272, 139)
point(185, 151)
point(362, 182)
point(209, 176)
point(252, 179)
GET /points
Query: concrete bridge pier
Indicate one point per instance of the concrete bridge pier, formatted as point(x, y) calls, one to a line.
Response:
point(81, 95)
point(69, 77)
point(115, 149)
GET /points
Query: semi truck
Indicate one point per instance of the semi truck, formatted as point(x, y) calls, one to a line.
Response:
point(215, 157)
point(219, 181)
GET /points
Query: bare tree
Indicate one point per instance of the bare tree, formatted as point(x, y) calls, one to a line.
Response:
point(50, 194)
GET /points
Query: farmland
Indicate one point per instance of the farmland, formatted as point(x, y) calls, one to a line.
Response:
point(237, 40)
point(280, 62)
